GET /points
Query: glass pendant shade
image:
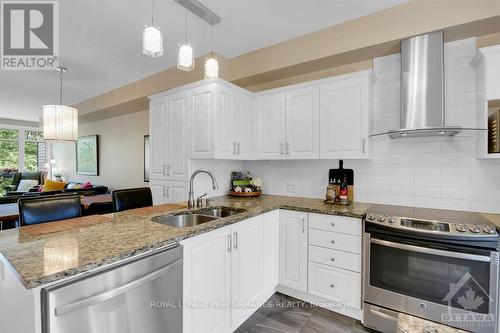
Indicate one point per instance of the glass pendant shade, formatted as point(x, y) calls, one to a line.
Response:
point(211, 68)
point(60, 123)
point(185, 60)
point(152, 42)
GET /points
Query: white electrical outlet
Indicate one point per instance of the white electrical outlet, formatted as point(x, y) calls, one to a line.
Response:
point(291, 187)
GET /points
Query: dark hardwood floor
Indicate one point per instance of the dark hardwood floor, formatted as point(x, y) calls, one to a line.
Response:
point(282, 313)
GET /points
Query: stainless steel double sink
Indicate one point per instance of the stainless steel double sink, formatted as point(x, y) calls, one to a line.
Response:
point(197, 217)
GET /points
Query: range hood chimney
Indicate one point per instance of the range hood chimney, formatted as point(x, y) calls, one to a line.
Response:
point(422, 89)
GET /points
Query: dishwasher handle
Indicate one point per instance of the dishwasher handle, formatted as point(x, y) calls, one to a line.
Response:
point(99, 298)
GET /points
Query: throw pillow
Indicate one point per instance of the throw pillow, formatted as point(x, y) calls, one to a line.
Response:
point(87, 185)
point(52, 185)
point(26, 184)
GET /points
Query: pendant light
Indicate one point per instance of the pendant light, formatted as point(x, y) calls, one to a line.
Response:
point(60, 122)
point(185, 59)
point(211, 63)
point(152, 40)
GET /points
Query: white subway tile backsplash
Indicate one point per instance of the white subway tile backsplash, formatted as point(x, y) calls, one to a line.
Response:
point(430, 172)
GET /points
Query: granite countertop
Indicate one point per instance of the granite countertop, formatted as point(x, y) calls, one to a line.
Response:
point(49, 257)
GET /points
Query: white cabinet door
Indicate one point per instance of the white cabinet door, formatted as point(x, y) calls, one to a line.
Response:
point(302, 123)
point(158, 192)
point(175, 136)
point(207, 281)
point(157, 110)
point(244, 124)
point(344, 118)
point(271, 229)
point(293, 250)
point(202, 121)
point(177, 192)
point(270, 127)
point(225, 144)
point(168, 192)
point(246, 269)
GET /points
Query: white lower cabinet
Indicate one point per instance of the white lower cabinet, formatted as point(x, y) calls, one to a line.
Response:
point(339, 285)
point(293, 250)
point(246, 269)
point(168, 192)
point(207, 282)
point(271, 229)
point(224, 276)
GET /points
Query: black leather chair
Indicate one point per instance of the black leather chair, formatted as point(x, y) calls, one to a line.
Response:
point(131, 198)
point(47, 209)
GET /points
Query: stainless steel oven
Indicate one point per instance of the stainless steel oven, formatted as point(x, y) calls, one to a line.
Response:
point(443, 271)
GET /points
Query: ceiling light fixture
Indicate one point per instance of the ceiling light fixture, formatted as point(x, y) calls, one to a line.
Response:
point(152, 40)
point(60, 122)
point(211, 63)
point(185, 59)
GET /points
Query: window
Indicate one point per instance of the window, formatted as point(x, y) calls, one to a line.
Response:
point(21, 150)
point(9, 150)
point(34, 151)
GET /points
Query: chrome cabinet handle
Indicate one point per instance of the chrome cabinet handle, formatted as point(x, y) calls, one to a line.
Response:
point(168, 170)
point(282, 148)
point(364, 142)
point(236, 240)
point(332, 224)
point(303, 226)
point(99, 298)
point(229, 243)
point(164, 168)
point(288, 148)
point(332, 285)
point(234, 148)
point(332, 241)
point(238, 144)
point(332, 259)
point(168, 191)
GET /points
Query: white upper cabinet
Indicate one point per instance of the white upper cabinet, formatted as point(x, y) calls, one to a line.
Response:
point(344, 118)
point(168, 133)
point(326, 119)
point(176, 135)
point(491, 57)
point(302, 123)
point(270, 126)
point(202, 121)
point(157, 144)
point(234, 135)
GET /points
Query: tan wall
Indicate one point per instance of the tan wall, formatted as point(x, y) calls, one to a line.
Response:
point(120, 151)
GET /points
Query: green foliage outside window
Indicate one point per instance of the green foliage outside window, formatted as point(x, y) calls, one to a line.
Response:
point(9, 149)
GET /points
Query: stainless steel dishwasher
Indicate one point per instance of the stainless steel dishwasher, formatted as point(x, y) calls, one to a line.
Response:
point(142, 294)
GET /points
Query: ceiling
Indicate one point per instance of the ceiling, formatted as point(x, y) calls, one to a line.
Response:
point(101, 42)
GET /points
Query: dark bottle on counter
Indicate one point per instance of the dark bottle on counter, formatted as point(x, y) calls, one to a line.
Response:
point(344, 190)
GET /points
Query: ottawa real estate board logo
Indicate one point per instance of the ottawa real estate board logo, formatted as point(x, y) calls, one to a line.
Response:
point(29, 35)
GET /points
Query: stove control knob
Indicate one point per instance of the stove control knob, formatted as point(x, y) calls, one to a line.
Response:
point(390, 220)
point(461, 228)
point(371, 217)
point(475, 229)
point(489, 230)
point(381, 218)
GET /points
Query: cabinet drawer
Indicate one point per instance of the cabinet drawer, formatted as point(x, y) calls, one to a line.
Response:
point(336, 241)
point(345, 225)
point(335, 284)
point(335, 258)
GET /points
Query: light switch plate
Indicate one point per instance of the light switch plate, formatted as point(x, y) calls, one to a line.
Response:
point(291, 187)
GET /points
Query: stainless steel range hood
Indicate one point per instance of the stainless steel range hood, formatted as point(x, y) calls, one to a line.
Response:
point(422, 89)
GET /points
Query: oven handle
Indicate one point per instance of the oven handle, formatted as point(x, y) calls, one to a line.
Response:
point(426, 250)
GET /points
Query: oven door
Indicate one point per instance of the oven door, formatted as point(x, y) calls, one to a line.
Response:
point(432, 282)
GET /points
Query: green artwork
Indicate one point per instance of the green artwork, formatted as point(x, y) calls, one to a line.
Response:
point(87, 156)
